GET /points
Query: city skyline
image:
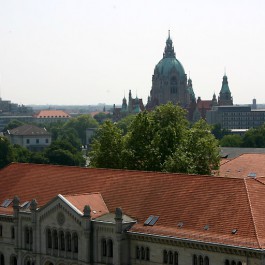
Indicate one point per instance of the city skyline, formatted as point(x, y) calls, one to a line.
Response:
point(88, 52)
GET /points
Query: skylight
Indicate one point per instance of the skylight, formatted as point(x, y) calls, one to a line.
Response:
point(151, 220)
point(252, 175)
point(6, 203)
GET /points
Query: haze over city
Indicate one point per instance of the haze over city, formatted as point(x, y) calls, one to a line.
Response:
point(89, 52)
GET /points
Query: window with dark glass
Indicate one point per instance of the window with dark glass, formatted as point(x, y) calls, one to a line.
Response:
point(68, 242)
point(170, 254)
point(75, 239)
point(137, 252)
point(147, 254)
point(194, 260)
point(55, 239)
point(12, 232)
point(165, 257)
point(104, 247)
point(62, 241)
point(110, 248)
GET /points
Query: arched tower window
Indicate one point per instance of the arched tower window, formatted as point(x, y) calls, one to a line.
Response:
point(227, 262)
point(173, 85)
point(26, 235)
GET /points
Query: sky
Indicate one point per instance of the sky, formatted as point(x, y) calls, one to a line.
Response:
point(85, 52)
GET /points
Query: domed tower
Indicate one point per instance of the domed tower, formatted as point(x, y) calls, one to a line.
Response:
point(169, 81)
point(225, 97)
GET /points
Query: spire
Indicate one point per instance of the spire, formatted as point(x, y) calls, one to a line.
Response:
point(169, 49)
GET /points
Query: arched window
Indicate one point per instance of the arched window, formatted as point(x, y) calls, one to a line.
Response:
point(200, 260)
point(49, 238)
point(176, 258)
point(75, 240)
point(170, 254)
point(195, 261)
point(173, 85)
point(165, 257)
point(55, 239)
point(104, 247)
point(147, 253)
point(2, 259)
point(1, 230)
point(227, 262)
point(239, 263)
point(110, 248)
point(61, 240)
point(233, 262)
point(142, 253)
point(137, 253)
point(28, 263)
point(68, 241)
point(13, 260)
point(30, 237)
point(206, 260)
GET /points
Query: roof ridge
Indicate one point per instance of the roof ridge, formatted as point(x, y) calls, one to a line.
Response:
point(252, 216)
point(79, 194)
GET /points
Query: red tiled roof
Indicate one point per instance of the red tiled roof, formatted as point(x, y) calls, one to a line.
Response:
point(243, 165)
point(204, 104)
point(94, 200)
point(52, 114)
point(221, 203)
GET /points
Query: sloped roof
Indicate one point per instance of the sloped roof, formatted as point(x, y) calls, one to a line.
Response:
point(243, 166)
point(221, 203)
point(94, 200)
point(28, 130)
point(52, 114)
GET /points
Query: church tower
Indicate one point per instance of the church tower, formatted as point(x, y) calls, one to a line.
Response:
point(225, 97)
point(169, 81)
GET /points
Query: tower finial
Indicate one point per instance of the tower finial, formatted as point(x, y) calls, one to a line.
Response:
point(225, 71)
point(169, 33)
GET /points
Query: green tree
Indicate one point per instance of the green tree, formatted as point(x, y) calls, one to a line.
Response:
point(107, 146)
point(231, 140)
point(125, 123)
point(153, 136)
point(80, 124)
point(21, 154)
point(218, 132)
point(255, 137)
point(102, 116)
point(197, 154)
point(62, 152)
point(13, 124)
point(6, 152)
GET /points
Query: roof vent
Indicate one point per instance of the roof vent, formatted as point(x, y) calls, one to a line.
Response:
point(206, 227)
point(252, 175)
point(180, 224)
point(234, 231)
point(151, 220)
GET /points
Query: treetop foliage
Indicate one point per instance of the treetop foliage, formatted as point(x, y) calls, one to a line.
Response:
point(160, 140)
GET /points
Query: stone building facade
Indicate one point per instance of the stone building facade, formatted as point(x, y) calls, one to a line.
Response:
point(128, 217)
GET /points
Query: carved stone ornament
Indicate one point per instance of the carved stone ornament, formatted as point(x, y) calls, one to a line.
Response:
point(60, 218)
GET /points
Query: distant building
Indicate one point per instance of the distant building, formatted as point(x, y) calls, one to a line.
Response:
point(169, 81)
point(47, 116)
point(134, 106)
point(30, 136)
point(236, 117)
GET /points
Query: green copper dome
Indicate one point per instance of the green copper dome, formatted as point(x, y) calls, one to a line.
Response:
point(166, 65)
point(169, 62)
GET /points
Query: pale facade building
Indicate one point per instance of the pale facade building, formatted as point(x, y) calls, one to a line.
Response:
point(56, 215)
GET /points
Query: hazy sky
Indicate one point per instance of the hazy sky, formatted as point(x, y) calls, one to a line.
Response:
point(88, 52)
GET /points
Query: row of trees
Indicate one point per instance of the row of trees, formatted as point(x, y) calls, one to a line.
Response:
point(161, 140)
point(254, 137)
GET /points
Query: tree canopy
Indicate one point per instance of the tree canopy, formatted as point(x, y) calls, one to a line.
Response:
point(160, 140)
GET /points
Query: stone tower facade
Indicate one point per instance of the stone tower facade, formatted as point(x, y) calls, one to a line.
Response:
point(169, 81)
point(225, 97)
